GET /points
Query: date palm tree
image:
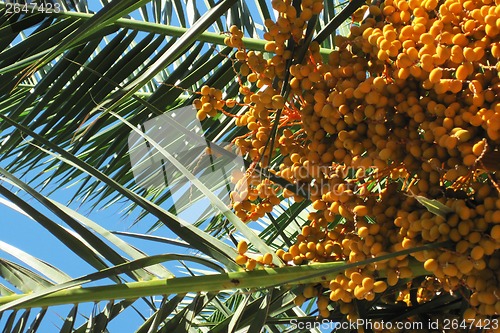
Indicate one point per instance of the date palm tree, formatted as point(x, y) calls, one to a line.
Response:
point(76, 78)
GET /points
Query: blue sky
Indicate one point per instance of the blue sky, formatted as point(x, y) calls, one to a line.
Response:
point(20, 231)
point(26, 234)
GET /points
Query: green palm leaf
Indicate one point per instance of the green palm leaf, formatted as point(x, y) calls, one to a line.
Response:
point(74, 85)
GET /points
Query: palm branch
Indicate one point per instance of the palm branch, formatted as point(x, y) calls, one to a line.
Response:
point(74, 85)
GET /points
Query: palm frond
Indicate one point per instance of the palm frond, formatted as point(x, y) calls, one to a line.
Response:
point(76, 86)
